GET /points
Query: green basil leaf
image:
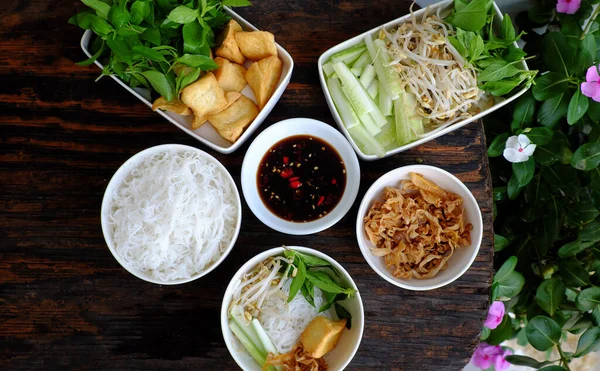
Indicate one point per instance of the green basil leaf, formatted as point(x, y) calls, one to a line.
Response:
point(184, 79)
point(118, 17)
point(524, 112)
point(342, 313)
point(588, 342)
point(543, 333)
point(93, 58)
point(549, 85)
point(329, 300)
point(160, 83)
point(550, 294)
point(101, 27)
point(298, 280)
point(140, 10)
point(588, 299)
point(554, 109)
point(236, 3)
point(120, 48)
point(500, 242)
point(325, 283)
point(459, 46)
point(498, 70)
point(307, 291)
point(526, 361)
point(100, 7)
point(149, 53)
point(497, 146)
point(203, 62)
point(83, 20)
point(507, 30)
point(578, 106)
point(586, 157)
point(195, 39)
point(513, 54)
point(524, 171)
point(471, 17)
point(558, 56)
point(573, 248)
point(182, 14)
point(573, 274)
point(152, 35)
point(313, 261)
point(513, 189)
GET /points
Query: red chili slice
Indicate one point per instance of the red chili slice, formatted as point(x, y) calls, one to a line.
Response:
point(286, 159)
point(294, 178)
point(333, 181)
point(321, 199)
point(295, 184)
point(286, 173)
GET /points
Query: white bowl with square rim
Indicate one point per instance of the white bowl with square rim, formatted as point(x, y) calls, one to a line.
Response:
point(392, 24)
point(206, 134)
point(349, 342)
point(462, 258)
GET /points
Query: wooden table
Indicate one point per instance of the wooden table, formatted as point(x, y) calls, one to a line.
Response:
point(65, 303)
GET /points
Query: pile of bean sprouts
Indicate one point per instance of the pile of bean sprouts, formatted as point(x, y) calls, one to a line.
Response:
point(433, 70)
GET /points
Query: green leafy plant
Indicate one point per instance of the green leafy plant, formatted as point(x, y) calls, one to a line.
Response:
point(547, 208)
point(161, 45)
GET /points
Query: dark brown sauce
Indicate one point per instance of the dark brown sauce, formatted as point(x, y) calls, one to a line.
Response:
point(301, 178)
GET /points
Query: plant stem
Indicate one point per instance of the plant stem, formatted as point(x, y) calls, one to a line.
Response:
point(590, 22)
point(563, 358)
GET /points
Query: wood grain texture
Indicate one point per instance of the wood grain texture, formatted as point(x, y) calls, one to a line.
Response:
point(66, 303)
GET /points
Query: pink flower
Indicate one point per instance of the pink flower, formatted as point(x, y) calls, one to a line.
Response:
point(591, 88)
point(568, 6)
point(487, 355)
point(495, 315)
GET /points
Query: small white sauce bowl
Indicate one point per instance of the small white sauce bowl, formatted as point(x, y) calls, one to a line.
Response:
point(117, 181)
point(462, 258)
point(283, 130)
point(349, 342)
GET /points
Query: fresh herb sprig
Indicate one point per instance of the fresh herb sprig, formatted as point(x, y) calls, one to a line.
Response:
point(308, 272)
point(162, 45)
point(493, 55)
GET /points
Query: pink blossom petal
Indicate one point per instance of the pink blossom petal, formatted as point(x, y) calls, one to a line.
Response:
point(500, 362)
point(485, 355)
point(596, 96)
point(589, 89)
point(592, 74)
point(529, 149)
point(495, 315)
point(514, 155)
point(523, 140)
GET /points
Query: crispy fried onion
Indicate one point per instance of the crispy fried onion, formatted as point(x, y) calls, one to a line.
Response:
point(417, 228)
point(296, 360)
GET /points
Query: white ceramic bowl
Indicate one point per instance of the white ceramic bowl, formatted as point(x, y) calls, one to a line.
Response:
point(206, 134)
point(120, 176)
point(358, 39)
point(285, 129)
point(462, 258)
point(348, 344)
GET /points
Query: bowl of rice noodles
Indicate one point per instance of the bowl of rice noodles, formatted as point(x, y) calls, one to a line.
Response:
point(419, 227)
point(261, 288)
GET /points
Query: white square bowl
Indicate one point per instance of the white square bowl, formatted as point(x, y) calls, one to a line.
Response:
point(375, 31)
point(206, 133)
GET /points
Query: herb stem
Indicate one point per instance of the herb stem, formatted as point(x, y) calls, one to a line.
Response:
point(563, 358)
point(590, 22)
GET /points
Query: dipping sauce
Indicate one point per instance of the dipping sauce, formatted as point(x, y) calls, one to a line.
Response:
point(301, 178)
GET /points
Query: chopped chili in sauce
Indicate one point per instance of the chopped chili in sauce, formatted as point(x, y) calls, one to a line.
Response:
point(301, 178)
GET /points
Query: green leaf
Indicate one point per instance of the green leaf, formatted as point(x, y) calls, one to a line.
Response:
point(499, 193)
point(549, 85)
point(100, 7)
point(578, 106)
point(149, 53)
point(550, 294)
point(497, 146)
point(513, 188)
point(160, 83)
point(195, 39)
point(524, 171)
point(594, 112)
point(542, 332)
point(184, 79)
point(182, 14)
point(590, 232)
point(325, 283)
point(550, 226)
point(471, 17)
point(298, 280)
point(573, 274)
point(139, 10)
point(507, 268)
point(596, 315)
point(583, 212)
point(342, 313)
point(152, 35)
point(498, 70)
point(307, 291)
point(525, 361)
point(573, 248)
point(312, 261)
point(511, 286)
point(120, 48)
point(101, 27)
point(118, 17)
point(236, 3)
point(507, 30)
point(93, 58)
point(503, 332)
point(586, 157)
point(523, 112)
point(539, 136)
point(554, 109)
point(588, 299)
point(499, 243)
point(553, 368)
point(558, 56)
point(203, 62)
point(586, 54)
point(588, 342)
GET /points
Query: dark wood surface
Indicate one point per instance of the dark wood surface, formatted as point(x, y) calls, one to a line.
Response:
point(65, 303)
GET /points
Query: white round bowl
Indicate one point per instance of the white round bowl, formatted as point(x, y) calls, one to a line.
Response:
point(348, 344)
point(462, 258)
point(278, 132)
point(118, 179)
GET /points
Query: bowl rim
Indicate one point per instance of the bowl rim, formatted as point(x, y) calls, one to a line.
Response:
point(228, 336)
point(249, 186)
point(118, 177)
point(282, 53)
point(394, 22)
point(364, 249)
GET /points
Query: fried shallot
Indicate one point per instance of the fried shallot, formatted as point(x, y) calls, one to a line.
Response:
point(296, 360)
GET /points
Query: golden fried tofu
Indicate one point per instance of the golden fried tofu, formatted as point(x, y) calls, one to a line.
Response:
point(198, 121)
point(204, 97)
point(263, 76)
point(321, 335)
point(176, 106)
point(228, 46)
point(231, 122)
point(231, 76)
point(256, 45)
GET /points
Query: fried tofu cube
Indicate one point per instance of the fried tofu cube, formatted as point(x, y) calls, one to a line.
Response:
point(231, 122)
point(176, 106)
point(228, 46)
point(263, 77)
point(322, 335)
point(231, 76)
point(204, 97)
point(256, 45)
